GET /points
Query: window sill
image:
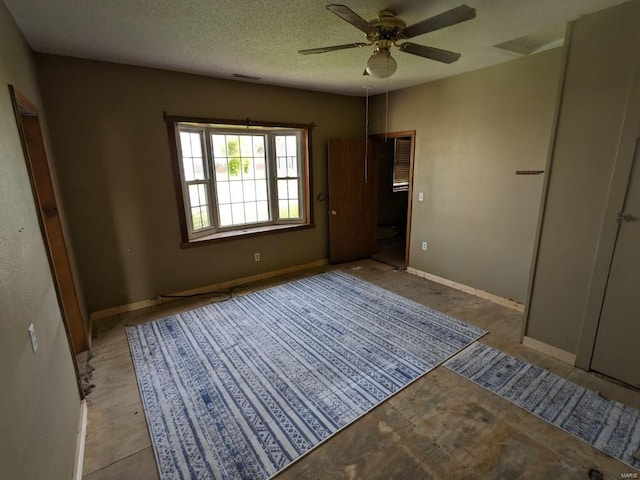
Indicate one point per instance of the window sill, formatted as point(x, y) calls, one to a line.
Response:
point(244, 233)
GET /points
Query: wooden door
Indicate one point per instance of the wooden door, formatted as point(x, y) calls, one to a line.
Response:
point(617, 341)
point(352, 209)
point(50, 223)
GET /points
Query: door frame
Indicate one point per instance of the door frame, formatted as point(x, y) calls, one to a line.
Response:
point(377, 141)
point(44, 197)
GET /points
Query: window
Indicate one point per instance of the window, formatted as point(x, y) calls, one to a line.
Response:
point(239, 179)
point(401, 164)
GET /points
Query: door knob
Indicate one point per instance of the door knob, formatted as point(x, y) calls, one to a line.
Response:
point(625, 217)
point(333, 212)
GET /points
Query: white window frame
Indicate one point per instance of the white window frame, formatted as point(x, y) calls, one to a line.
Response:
point(193, 233)
point(269, 133)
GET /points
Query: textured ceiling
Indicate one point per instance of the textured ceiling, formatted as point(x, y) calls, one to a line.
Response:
point(261, 37)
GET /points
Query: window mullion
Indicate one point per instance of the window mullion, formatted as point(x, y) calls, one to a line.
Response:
point(211, 181)
point(301, 175)
point(272, 178)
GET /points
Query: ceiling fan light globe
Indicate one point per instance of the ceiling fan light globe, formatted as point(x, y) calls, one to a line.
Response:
point(381, 64)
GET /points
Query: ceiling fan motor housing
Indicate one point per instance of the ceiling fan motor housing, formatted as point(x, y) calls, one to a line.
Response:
point(388, 26)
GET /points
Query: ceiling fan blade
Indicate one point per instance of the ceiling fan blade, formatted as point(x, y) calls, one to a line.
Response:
point(353, 18)
point(309, 51)
point(445, 19)
point(432, 53)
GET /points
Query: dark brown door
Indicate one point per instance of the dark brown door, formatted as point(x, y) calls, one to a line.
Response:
point(352, 189)
point(50, 223)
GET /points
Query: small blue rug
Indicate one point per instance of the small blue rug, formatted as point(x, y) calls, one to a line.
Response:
point(607, 425)
point(240, 389)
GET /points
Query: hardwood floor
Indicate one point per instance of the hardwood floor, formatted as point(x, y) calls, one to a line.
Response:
point(440, 427)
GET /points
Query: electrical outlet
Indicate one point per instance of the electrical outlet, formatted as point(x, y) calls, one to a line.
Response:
point(32, 335)
point(420, 196)
point(424, 245)
point(256, 256)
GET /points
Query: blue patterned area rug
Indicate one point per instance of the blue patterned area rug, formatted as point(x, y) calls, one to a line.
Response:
point(241, 388)
point(607, 425)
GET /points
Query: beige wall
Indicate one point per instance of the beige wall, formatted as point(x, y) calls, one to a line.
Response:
point(112, 157)
point(602, 59)
point(39, 401)
point(473, 131)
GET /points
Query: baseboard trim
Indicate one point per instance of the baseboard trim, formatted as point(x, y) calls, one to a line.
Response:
point(505, 302)
point(130, 307)
point(80, 442)
point(550, 350)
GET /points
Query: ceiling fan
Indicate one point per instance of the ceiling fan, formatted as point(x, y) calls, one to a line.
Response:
point(384, 31)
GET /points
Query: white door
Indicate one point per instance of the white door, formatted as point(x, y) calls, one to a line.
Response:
point(618, 338)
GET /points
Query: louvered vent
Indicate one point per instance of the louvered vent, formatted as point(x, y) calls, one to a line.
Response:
point(401, 164)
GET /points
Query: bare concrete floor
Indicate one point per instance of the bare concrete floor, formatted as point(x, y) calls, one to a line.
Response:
point(440, 427)
point(391, 251)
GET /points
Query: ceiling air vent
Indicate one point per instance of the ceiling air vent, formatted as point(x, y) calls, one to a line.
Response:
point(548, 37)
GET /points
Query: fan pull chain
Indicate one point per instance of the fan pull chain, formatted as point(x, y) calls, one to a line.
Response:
point(366, 133)
point(386, 112)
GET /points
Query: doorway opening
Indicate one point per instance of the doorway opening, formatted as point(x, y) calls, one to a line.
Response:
point(393, 159)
